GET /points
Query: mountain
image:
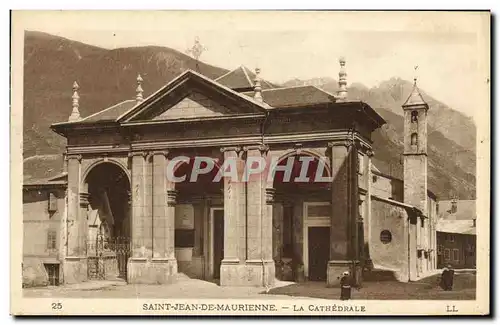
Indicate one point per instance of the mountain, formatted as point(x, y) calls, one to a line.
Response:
point(106, 77)
point(392, 93)
point(452, 135)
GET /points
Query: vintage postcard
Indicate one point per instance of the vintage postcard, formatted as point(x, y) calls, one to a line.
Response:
point(250, 163)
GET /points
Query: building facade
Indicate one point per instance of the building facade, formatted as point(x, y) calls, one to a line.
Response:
point(44, 208)
point(134, 211)
point(456, 234)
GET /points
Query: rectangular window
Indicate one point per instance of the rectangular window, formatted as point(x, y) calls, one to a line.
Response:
point(451, 238)
point(456, 256)
point(53, 273)
point(447, 254)
point(319, 210)
point(184, 238)
point(51, 240)
point(52, 202)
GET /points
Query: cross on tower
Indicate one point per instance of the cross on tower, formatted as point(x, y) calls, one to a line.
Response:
point(196, 50)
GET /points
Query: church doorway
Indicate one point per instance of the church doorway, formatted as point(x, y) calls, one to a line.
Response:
point(109, 222)
point(304, 247)
point(218, 238)
point(319, 252)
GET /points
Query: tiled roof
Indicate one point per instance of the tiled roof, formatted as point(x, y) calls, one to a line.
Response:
point(44, 182)
point(241, 78)
point(415, 98)
point(456, 226)
point(466, 210)
point(59, 179)
point(459, 222)
point(295, 96)
point(181, 78)
point(111, 113)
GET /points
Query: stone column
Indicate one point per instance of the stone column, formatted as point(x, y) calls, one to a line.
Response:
point(277, 237)
point(75, 264)
point(141, 233)
point(343, 234)
point(164, 199)
point(260, 269)
point(231, 268)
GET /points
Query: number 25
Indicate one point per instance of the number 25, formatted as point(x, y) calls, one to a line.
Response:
point(56, 305)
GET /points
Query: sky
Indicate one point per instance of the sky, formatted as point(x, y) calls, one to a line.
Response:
point(451, 49)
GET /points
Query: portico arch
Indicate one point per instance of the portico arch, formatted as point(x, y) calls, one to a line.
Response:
point(302, 215)
point(99, 161)
point(109, 219)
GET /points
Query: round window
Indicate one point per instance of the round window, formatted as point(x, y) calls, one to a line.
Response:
point(385, 236)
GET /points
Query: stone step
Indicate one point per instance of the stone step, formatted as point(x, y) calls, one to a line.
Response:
point(377, 275)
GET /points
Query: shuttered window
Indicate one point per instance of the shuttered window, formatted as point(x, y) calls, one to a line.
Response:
point(51, 239)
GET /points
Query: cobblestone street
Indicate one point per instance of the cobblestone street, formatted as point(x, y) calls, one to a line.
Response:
point(185, 287)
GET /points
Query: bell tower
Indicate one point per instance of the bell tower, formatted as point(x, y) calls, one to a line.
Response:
point(415, 150)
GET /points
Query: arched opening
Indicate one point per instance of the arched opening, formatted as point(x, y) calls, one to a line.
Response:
point(414, 116)
point(414, 139)
point(199, 211)
point(109, 221)
point(197, 182)
point(302, 188)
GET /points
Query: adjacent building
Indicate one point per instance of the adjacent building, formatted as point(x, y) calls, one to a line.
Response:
point(456, 234)
point(123, 216)
point(44, 209)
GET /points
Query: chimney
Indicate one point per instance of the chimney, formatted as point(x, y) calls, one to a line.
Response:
point(257, 87)
point(75, 113)
point(138, 90)
point(454, 206)
point(342, 92)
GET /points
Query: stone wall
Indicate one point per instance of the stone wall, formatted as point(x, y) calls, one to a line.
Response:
point(391, 255)
point(38, 221)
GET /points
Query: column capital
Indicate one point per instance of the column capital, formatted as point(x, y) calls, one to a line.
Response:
point(171, 197)
point(370, 153)
point(233, 148)
point(160, 152)
point(260, 147)
point(73, 156)
point(137, 153)
point(338, 143)
point(270, 194)
point(84, 199)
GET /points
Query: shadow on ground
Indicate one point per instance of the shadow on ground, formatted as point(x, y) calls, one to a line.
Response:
point(464, 289)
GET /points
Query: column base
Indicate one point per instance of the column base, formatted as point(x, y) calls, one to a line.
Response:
point(336, 268)
point(252, 273)
point(75, 269)
point(151, 271)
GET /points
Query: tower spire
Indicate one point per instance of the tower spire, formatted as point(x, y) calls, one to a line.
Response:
point(257, 87)
point(75, 113)
point(342, 92)
point(415, 98)
point(138, 90)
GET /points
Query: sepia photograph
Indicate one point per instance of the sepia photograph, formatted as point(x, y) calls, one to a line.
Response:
point(250, 163)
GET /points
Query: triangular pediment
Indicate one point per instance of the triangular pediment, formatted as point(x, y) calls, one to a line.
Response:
point(195, 105)
point(193, 96)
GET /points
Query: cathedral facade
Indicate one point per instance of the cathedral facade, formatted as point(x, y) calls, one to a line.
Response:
point(240, 181)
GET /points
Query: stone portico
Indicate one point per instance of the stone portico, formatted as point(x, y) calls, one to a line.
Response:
point(241, 232)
